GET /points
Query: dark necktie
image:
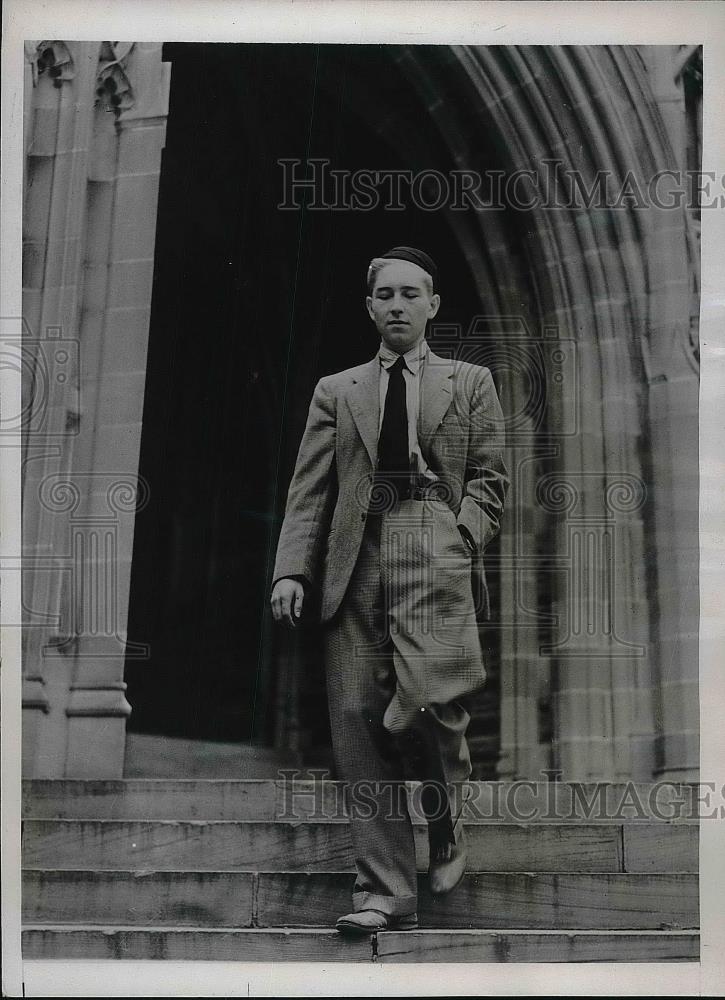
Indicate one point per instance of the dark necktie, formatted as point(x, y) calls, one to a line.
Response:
point(393, 456)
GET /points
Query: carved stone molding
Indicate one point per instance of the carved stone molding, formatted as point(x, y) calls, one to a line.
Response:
point(34, 694)
point(113, 87)
point(688, 61)
point(103, 701)
point(51, 57)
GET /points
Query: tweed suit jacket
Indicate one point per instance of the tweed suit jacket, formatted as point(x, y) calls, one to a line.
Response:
point(461, 437)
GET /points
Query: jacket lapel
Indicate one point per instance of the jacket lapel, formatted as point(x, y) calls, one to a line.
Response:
point(436, 394)
point(363, 398)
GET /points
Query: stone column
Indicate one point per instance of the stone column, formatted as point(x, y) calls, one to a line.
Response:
point(80, 503)
point(525, 559)
point(129, 131)
point(59, 109)
point(672, 370)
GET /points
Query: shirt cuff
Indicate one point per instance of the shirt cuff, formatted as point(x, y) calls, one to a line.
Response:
point(293, 576)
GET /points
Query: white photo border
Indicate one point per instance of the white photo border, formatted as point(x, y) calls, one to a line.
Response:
point(484, 22)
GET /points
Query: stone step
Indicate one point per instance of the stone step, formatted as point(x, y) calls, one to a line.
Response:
point(248, 945)
point(320, 846)
point(538, 946)
point(504, 802)
point(149, 756)
point(278, 899)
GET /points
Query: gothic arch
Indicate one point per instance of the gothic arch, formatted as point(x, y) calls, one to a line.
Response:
point(616, 281)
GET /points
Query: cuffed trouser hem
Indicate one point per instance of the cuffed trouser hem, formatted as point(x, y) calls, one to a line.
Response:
point(393, 906)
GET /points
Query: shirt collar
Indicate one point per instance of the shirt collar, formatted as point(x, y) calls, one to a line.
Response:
point(413, 358)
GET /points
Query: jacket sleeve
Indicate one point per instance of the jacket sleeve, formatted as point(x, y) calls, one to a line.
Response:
point(487, 479)
point(312, 492)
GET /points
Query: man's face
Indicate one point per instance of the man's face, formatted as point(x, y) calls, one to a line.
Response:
point(400, 304)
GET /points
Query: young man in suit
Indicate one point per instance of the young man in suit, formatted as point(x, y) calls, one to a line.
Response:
point(398, 488)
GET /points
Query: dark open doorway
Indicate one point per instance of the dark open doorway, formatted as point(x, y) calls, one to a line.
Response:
point(251, 306)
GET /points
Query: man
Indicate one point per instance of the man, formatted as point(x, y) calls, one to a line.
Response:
point(398, 488)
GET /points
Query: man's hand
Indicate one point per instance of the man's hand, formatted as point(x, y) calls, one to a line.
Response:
point(287, 598)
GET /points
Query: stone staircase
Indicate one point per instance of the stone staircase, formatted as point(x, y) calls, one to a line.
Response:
point(258, 870)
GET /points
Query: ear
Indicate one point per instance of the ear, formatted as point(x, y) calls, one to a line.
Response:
point(369, 304)
point(435, 302)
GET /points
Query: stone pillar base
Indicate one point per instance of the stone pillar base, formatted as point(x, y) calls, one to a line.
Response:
point(97, 732)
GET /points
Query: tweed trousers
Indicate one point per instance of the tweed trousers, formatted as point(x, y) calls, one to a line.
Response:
point(406, 623)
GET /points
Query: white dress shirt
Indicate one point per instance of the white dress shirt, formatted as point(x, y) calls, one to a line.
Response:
point(415, 360)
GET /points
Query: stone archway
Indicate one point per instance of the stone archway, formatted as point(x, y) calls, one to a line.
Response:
point(617, 281)
point(598, 558)
point(604, 495)
point(610, 501)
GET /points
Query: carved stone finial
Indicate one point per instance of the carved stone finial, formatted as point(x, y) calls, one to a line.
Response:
point(113, 87)
point(51, 57)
